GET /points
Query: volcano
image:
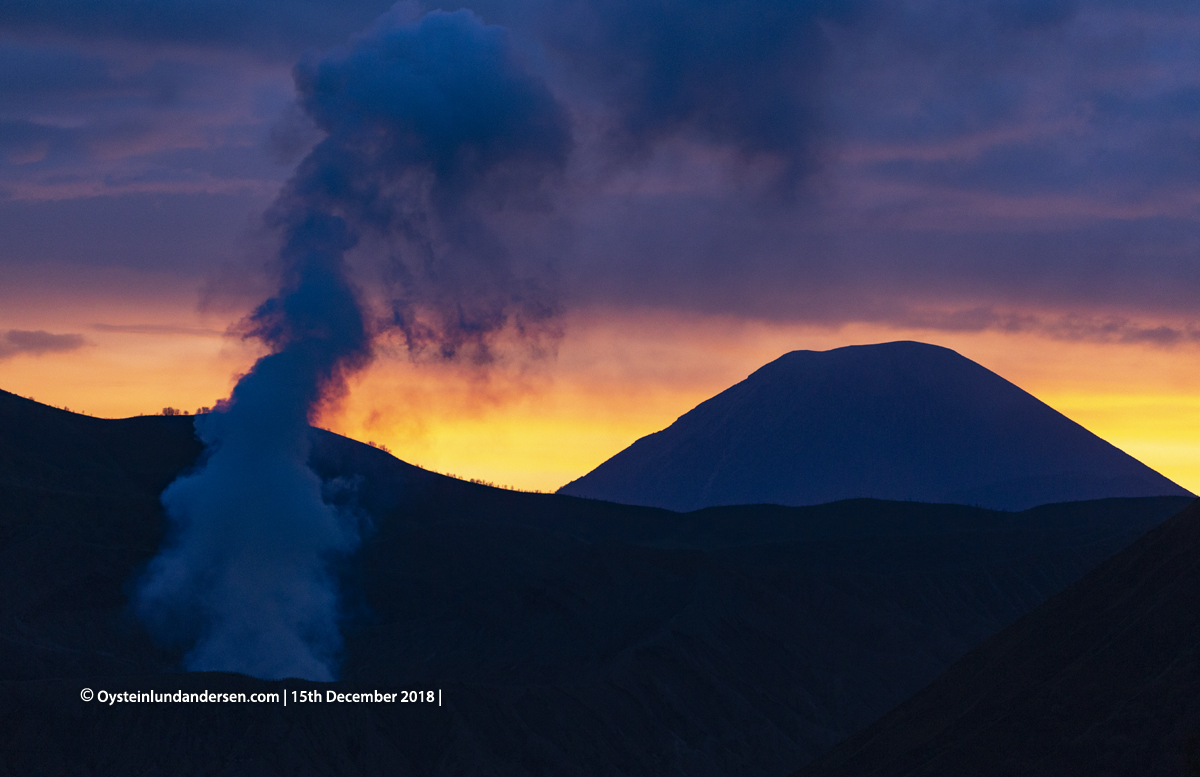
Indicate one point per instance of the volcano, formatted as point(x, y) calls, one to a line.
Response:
point(900, 421)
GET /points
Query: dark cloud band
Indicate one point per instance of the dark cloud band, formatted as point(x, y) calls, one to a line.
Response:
point(37, 343)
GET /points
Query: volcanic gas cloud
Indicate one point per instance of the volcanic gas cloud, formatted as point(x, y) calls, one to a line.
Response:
point(431, 128)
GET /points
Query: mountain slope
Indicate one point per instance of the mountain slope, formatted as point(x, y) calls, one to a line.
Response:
point(568, 636)
point(904, 421)
point(1103, 679)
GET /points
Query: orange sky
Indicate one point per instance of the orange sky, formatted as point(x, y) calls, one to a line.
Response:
point(614, 380)
point(1040, 177)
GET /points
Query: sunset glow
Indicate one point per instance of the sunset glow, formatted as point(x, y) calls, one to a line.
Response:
point(1033, 207)
point(615, 379)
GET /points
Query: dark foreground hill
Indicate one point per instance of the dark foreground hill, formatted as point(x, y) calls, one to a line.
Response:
point(565, 636)
point(1103, 679)
point(891, 421)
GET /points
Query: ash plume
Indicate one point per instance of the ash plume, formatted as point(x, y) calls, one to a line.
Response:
point(432, 129)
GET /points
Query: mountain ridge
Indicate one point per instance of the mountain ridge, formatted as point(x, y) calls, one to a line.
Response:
point(570, 636)
point(1101, 679)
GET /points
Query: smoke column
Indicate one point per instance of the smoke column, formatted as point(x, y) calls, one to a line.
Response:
point(431, 129)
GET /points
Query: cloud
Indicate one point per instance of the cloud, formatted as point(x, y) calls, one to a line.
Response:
point(273, 28)
point(1078, 328)
point(968, 153)
point(87, 119)
point(718, 72)
point(178, 238)
point(37, 343)
point(158, 329)
point(1015, 154)
point(741, 77)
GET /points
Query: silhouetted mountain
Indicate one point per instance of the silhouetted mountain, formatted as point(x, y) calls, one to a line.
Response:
point(1103, 679)
point(567, 636)
point(891, 421)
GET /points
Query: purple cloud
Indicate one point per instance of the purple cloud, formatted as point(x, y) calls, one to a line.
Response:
point(37, 343)
point(1031, 157)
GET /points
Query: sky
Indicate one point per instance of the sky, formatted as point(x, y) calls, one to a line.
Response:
point(667, 196)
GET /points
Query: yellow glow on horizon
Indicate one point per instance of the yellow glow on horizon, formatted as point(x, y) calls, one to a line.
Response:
point(167, 354)
point(114, 378)
point(1160, 430)
point(616, 378)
